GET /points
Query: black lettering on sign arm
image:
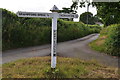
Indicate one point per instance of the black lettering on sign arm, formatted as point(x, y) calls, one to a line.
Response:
point(54, 54)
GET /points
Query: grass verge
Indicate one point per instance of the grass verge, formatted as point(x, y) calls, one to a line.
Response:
point(98, 44)
point(108, 41)
point(39, 67)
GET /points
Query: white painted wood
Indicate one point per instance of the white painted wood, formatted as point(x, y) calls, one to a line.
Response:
point(54, 15)
point(68, 15)
point(34, 14)
point(45, 15)
point(54, 40)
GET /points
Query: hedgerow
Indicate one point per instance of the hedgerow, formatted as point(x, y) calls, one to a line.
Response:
point(112, 41)
point(23, 32)
point(108, 41)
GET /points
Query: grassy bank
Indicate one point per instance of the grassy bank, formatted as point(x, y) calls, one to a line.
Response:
point(39, 67)
point(108, 41)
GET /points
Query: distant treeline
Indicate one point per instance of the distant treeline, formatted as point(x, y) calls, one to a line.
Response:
point(24, 32)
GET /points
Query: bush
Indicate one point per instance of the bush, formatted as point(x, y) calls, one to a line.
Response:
point(94, 28)
point(108, 41)
point(113, 40)
point(23, 32)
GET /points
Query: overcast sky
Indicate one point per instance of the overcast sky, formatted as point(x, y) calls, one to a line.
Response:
point(39, 5)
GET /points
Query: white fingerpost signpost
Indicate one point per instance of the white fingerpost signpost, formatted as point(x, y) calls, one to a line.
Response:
point(54, 15)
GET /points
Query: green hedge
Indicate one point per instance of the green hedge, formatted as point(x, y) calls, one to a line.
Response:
point(94, 28)
point(23, 32)
point(108, 41)
point(113, 40)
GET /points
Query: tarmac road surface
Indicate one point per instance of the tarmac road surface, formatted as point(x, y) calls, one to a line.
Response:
point(75, 48)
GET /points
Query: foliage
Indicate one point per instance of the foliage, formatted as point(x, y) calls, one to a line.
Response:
point(24, 32)
point(97, 19)
point(109, 12)
point(67, 10)
point(74, 6)
point(94, 28)
point(109, 41)
point(83, 18)
point(98, 45)
point(39, 67)
point(113, 40)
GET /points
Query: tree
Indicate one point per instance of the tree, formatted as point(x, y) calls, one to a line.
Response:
point(83, 18)
point(97, 19)
point(67, 10)
point(74, 6)
point(82, 4)
point(107, 11)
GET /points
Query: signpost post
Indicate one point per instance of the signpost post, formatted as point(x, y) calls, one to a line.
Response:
point(54, 15)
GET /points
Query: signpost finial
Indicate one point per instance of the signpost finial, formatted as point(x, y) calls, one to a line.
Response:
point(54, 17)
point(54, 9)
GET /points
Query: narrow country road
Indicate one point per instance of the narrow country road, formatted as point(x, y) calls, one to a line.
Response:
point(75, 48)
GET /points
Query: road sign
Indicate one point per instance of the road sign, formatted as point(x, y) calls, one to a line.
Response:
point(68, 15)
point(54, 15)
point(45, 15)
point(34, 14)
